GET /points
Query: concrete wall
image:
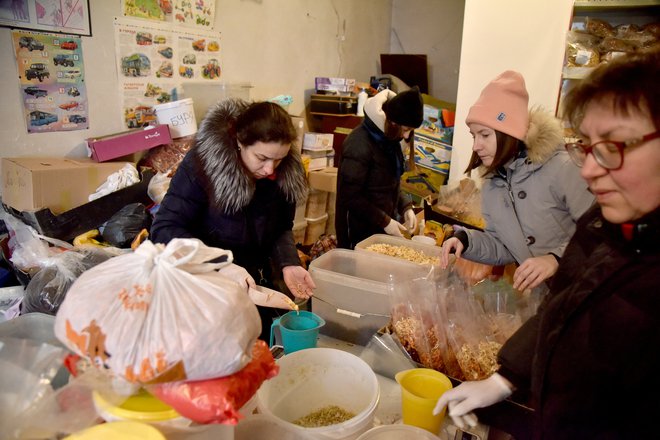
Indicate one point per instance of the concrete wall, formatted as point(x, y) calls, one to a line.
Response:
point(531, 40)
point(434, 28)
point(278, 46)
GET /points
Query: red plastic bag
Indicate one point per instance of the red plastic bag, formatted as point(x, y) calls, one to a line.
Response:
point(219, 400)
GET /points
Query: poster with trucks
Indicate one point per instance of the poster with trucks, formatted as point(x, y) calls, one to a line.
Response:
point(52, 87)
point(154, 60)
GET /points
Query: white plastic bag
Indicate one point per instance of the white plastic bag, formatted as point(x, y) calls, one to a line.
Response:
point(127, 176)
point(160, 314)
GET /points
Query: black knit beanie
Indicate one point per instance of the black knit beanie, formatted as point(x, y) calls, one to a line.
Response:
point(406, 108)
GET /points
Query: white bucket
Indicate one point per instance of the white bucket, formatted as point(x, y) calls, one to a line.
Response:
point(396, 432)
point(314, 378)
point(179, 115)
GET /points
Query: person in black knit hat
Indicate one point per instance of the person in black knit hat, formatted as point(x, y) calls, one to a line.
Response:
point(369, 197)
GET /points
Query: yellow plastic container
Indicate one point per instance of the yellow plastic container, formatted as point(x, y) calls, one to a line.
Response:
point(118, 431)
point(141, 407)
point(420, 390)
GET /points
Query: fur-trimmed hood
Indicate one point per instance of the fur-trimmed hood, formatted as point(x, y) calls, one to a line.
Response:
point(544, 136)
point(217, 159)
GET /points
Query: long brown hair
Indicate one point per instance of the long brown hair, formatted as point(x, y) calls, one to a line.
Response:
point(507, 148)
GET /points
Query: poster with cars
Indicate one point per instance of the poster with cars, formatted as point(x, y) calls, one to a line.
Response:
point(52, 81)
point(199, 14)
point(153, 61)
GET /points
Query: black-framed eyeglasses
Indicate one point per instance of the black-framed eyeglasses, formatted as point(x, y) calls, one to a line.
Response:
point(608, 154)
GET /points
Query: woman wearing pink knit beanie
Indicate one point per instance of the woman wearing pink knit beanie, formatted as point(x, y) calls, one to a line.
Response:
point(532, 195)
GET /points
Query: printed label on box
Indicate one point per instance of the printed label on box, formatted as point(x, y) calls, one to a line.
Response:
point(431, 153)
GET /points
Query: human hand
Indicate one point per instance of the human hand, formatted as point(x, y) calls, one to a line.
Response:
point(410, 220)
point(239, 275)
point(533, 271)
point(299, 281)
point(450, 244)
point(394, 228)
point(471, 395)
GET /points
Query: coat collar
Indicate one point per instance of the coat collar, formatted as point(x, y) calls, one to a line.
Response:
point(217, 159)
point(544, 140)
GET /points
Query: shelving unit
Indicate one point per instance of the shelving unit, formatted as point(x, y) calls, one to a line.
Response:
point(636, 13)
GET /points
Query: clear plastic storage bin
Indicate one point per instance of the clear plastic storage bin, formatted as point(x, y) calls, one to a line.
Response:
point(352, 291)
point(430, 251)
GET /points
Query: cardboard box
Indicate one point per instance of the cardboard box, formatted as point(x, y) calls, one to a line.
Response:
point(324, 180)
point(60, 184)
point(300, 125)
point(121, 144)
point(334, 84)
point(432, 153)
point(314, 164)
point(70, 224)
point(318, 141)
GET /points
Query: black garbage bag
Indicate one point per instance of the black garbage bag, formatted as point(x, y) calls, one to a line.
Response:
point(48, 287)
point(122, 227)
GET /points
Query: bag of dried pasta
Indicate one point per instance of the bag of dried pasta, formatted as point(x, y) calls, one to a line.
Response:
point(419, 321)
point(471, 335)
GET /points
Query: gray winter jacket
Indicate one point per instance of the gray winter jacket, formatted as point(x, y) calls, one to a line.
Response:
point(533, 209)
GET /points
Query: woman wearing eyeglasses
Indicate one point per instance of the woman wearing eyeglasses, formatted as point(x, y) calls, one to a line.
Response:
point(591, 355)
point(532, 194)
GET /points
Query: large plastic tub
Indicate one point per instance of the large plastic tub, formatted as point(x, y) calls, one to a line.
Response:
point(263, 427)
point(352, 291)
point(315, 378)
point(429, 251)
point(397, 432)
point(37, 327)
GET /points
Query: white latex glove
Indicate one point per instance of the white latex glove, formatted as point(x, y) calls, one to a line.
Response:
point(470, 395)
point(394, 228)
point(239, 275)
point(410, 220)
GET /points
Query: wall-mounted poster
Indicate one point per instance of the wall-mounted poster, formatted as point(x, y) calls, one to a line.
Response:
point(63, 16)
point(51, 72)
point(153, 60)
point(198, 14)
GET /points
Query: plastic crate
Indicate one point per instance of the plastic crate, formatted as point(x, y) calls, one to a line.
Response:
point(352, 291)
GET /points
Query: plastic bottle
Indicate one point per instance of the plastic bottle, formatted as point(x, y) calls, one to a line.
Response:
point(362, 98)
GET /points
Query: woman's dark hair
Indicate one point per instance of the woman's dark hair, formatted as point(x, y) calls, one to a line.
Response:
point(265, 122)
point(507, 148)
point(628, 82)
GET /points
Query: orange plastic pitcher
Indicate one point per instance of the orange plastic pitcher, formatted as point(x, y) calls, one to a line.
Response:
point(420, 390)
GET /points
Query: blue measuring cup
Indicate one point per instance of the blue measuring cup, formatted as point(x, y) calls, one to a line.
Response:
point(297, 330)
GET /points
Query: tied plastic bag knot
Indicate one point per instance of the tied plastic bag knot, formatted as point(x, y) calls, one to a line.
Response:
point(191, 255)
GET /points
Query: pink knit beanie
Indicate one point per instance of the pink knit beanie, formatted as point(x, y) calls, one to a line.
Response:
point(502, 105)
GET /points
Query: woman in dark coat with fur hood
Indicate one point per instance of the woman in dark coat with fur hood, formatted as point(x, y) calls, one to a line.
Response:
point(237, 189)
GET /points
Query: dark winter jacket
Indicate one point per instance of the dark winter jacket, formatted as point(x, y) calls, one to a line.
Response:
point(368, 181)
point(214, 198)
point(591, 355)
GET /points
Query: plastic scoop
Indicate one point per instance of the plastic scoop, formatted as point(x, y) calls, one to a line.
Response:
point(263, 296)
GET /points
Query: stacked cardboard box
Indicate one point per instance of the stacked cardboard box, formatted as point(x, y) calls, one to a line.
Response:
point(317, 147)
